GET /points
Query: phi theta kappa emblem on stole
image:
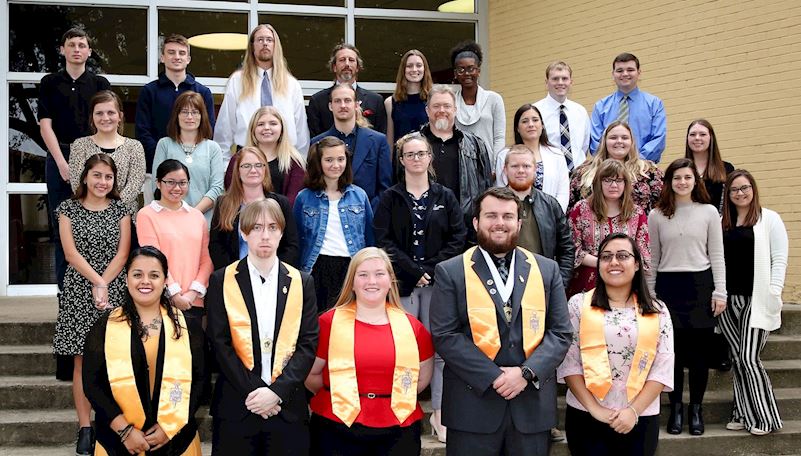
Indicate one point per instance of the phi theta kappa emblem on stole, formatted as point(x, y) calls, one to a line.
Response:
point(176, 394)
point(406, 381)
point(643, 362)
point(534, 322)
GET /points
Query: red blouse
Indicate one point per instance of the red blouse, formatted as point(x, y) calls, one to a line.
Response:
point(374, 352)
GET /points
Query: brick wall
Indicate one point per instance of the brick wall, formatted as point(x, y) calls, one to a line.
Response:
point(735, 63)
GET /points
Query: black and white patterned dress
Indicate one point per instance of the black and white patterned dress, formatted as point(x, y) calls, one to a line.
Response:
point(97, 237)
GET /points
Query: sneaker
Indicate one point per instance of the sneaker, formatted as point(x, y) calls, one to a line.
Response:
point(557, 435)
point(757, 431)
point(735, 426)
point(86, 442)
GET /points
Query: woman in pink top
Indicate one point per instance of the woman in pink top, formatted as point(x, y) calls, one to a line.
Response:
point(624, 420)
point(181, 233)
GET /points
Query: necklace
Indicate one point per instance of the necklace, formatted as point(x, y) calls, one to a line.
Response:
point(188, 149)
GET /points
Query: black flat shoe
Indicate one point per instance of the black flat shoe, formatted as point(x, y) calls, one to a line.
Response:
point(696, 419)
point(724, 365)
point(86, 442)
point(676, 418)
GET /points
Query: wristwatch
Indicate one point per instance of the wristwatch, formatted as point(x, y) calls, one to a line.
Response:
point(528, 374)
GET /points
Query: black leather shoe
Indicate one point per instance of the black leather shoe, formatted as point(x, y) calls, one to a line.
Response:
point(696, 419)
point(724, 365)
point(86, 442)
point(676, 418)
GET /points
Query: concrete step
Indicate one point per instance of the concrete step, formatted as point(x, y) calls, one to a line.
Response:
point(27, 332)
point(783, 373)
point(781, 346)
point(27, 360)
point(791, 319)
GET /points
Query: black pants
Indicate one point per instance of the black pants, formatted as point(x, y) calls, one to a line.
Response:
point(329, 273)
point(692, 346)
point(587, 436)
point(259, 437)
point(58, 190)
point(330, 438)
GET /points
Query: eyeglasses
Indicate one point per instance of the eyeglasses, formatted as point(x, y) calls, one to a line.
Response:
point(188, 113)
point(249, 166)
point(613, 180)
point(735, 190)
point(172, 183)
point(264, 40)
point(621, 256)
point(419, 155)
point(439, 106)
point(466, 70)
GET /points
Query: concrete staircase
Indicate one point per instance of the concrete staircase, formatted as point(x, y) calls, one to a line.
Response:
point(37, 418)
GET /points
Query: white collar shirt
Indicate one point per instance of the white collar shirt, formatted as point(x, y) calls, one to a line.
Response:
point(578, 121)
point(265, 296)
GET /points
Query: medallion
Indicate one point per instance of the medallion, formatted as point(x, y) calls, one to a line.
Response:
point(189, 159)
point(507, 312)
point(268, 344)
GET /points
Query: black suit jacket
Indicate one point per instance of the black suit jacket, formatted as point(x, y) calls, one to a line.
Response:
point(469, 402)
point(235, 381)
point(320, 118)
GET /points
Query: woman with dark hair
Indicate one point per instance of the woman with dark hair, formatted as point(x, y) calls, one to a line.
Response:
point(406, 107)
point(107, 121)
point(756, 247)
point(250, 181)
point(95, 229)
point(689, 276)
point(478, 111)
point(419, 223)
point(620, 360)
point(180, 231)
point(189, 141)
point(702, 148)
point(609, 209)
point(287, 168)
point(618, 144)
point(551, 175)
point(372, 361)
point(334, 218)
point(144, 368)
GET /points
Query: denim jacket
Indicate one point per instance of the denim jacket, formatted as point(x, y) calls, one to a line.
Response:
point(311, 217)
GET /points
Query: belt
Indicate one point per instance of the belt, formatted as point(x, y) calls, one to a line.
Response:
point(367, 395)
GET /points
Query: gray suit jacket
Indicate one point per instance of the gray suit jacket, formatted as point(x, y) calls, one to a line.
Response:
point(469, 401)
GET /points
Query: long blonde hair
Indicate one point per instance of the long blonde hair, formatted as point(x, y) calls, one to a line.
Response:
point(250, 68)
point(347, 295)
point(634, 165)
point(231, 202)
point(285, 151)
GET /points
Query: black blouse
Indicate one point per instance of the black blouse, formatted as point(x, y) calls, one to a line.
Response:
point(738, 248)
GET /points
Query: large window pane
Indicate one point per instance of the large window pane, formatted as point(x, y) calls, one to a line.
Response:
point(119, 38)
point(205, 62)
point(307, 42)
point(31, 255)
point(382, 42)
point(457, 6)
point(26, 148)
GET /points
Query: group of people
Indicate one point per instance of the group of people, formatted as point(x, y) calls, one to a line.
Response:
point(333, 261)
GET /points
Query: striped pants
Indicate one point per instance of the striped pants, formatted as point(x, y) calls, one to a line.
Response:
point(754, 401)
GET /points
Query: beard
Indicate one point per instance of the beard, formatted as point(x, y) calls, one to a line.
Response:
point(496, 247)
point(442, 124)
point(521, 186)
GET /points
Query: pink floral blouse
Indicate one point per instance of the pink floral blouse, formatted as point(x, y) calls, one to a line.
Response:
point(621, 340)
point(588, 232)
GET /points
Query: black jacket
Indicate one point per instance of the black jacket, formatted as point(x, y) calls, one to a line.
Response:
point(320, 118)
point(445, 232)
point(555, 238)
point(224, 245)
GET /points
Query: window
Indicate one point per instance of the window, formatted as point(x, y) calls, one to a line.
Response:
point(307, 42)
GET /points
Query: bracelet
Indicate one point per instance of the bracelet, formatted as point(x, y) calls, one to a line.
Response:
point(636, 415)
point(123, 433)
point(100, 286)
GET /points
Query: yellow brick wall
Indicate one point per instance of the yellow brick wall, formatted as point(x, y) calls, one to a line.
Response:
point(736, 63)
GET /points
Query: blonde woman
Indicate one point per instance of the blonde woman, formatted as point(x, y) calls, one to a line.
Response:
point(369, 344)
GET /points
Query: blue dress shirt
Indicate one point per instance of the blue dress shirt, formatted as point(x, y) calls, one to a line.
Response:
point(646, 119)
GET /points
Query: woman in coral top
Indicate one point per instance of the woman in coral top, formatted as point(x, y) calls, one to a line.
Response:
point(372, 360)
point(179, 230)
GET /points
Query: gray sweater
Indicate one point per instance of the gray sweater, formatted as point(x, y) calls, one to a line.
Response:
point(690, 241)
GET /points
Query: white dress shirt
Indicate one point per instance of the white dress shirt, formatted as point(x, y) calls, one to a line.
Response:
point(265, 296)
point(578, 121)
point(235, 114)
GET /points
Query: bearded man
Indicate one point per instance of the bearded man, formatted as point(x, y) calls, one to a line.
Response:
point(501, 324)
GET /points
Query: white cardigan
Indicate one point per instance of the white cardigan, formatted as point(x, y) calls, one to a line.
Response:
point(555, 175)
point(770, 264)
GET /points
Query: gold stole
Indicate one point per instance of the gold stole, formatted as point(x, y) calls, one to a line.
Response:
point(342, 365)
point(595, 359)
point(481, 309)
point(176, 376)
point(239, 320)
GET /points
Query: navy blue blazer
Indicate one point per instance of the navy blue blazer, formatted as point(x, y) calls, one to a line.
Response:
point(371, 162)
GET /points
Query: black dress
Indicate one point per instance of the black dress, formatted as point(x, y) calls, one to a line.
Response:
point(715, 189)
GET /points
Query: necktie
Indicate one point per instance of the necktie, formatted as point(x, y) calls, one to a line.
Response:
point(503, 271)
point(564, 129)
point(266, 91)
point(623, 111)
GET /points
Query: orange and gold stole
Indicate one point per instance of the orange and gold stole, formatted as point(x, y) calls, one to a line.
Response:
point(595, 358)
point(342, 365)
point(482, 313)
